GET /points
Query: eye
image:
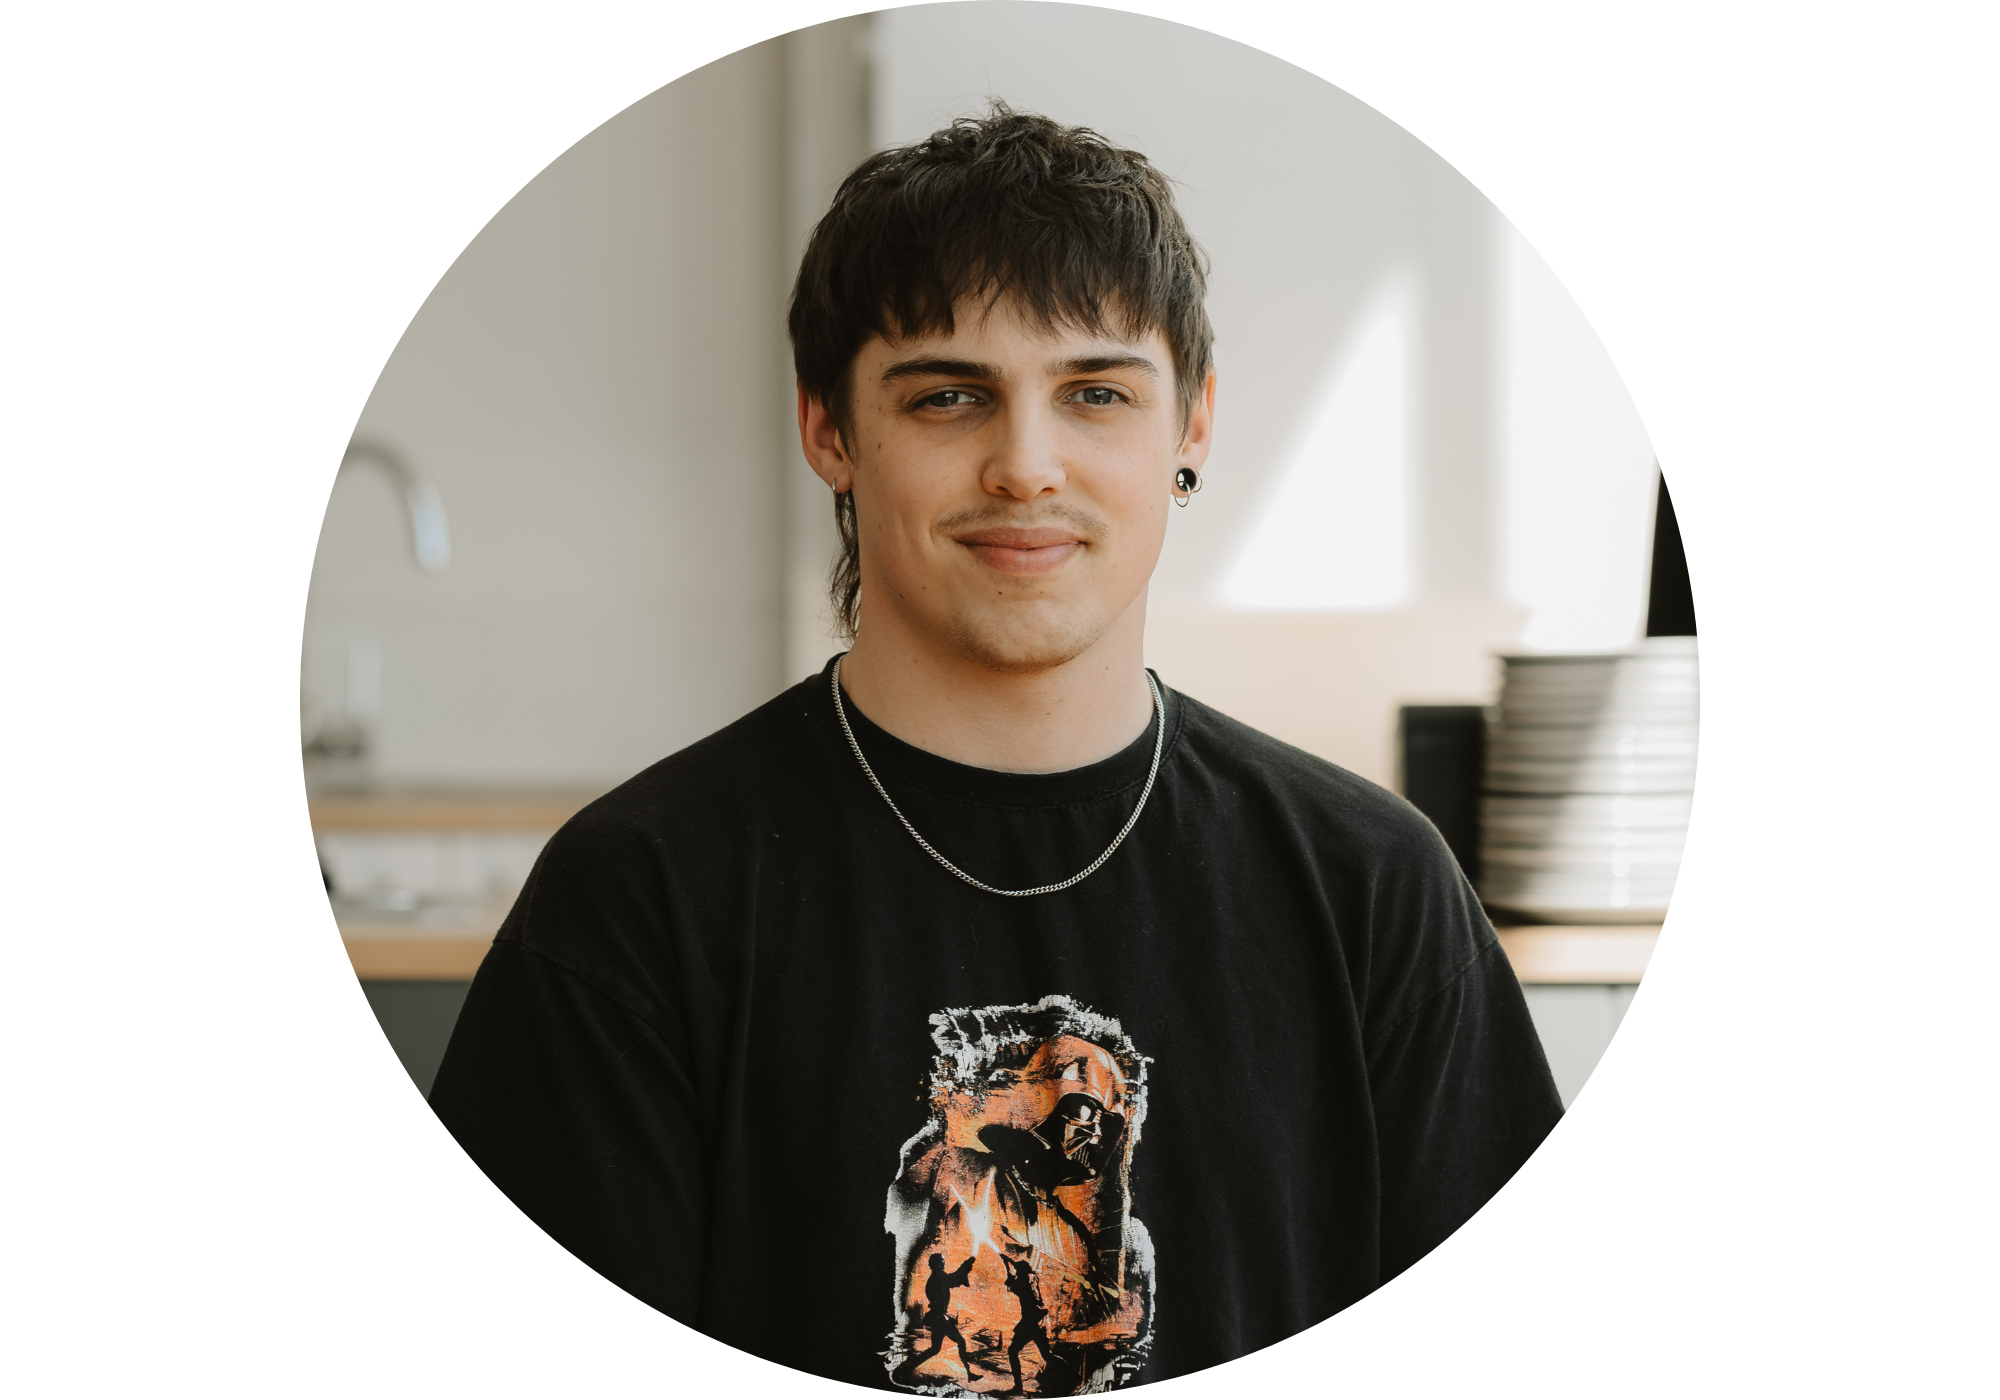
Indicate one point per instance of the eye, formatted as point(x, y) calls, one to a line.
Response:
point(946, 398)
point(1097, 396)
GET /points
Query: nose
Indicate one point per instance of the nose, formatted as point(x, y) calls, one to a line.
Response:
point(1026, 460)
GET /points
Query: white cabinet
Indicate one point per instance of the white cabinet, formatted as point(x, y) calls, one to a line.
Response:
point(1576, 1023)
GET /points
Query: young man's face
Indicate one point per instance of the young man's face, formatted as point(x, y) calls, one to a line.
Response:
point(1011, 483)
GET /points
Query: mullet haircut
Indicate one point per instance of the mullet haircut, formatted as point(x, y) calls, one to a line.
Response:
point(1080, 234)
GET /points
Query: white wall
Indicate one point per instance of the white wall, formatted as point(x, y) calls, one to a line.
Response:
point(1422, 452)
point(594, 388)
point(829, 70)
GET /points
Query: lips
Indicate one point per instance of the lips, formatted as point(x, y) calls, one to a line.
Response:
point(1022, 551)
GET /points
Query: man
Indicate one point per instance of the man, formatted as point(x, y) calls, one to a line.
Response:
point(1161, 968)
point(1028, 1329)
point(938, 1320)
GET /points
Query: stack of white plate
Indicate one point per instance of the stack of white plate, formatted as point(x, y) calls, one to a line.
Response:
point(1589, 775)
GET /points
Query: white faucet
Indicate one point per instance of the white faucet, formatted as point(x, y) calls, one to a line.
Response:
point(430, 532)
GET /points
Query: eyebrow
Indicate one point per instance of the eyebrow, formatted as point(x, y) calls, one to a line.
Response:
point(928, 367)
point(1098, 364)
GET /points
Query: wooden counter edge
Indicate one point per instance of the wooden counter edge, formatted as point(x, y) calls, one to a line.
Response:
point(429, 957)
point(1541, 955)
point(1555, 954)
point(523, 812)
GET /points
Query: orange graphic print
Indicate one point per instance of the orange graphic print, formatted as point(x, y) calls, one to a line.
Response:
point(1020, 1269)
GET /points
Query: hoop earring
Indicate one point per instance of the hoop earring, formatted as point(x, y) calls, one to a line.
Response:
point(1189, 482)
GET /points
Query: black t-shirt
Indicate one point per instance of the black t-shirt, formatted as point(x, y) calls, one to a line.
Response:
point(748, 1051)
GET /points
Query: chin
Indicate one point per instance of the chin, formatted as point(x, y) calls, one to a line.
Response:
point(1023, 646)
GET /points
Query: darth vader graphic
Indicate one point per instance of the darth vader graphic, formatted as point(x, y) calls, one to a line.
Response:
point(1019, 1267)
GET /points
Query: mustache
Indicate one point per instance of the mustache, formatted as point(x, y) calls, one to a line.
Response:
point(1025, 516)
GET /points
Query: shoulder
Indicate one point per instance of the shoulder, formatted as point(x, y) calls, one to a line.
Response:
point(1250, 767)
point(1407, 918)
point(715, 781)
point(635, 875)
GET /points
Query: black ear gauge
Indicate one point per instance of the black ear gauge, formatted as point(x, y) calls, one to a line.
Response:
point(1188, 481)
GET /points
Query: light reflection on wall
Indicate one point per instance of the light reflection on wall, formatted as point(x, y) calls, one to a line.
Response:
point(1338, 530)
point(1334, 531)
point(1576, 505)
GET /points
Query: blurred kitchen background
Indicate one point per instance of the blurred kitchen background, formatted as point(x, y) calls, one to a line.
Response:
point(574, 533)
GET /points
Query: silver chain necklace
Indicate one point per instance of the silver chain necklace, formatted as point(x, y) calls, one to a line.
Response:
point(1159, 744)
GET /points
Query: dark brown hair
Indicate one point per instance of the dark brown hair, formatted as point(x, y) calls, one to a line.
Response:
point(1077, 232)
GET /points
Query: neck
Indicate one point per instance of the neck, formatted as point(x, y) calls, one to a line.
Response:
point(1050, 721)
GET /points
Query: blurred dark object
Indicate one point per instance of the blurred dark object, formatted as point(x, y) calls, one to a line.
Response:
point(417, 1018)
point(1443, 753)
point(1670, 602)
point(335, 752)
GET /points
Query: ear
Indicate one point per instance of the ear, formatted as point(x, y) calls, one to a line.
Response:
point(820, 438)
point(1200, 434)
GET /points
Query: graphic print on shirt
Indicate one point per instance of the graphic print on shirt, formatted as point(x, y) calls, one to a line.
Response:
point(1019, 1267)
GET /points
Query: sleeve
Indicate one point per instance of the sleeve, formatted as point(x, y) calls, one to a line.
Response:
point(585, 1118)
point(1463, 1096)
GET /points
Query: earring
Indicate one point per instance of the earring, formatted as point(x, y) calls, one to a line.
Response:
point(1188, 481)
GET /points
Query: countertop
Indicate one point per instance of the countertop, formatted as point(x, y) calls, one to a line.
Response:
point(400, 951)
point(444, 811)
point(1541, 953)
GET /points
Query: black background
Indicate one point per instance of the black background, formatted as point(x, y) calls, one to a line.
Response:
point(333, 177)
